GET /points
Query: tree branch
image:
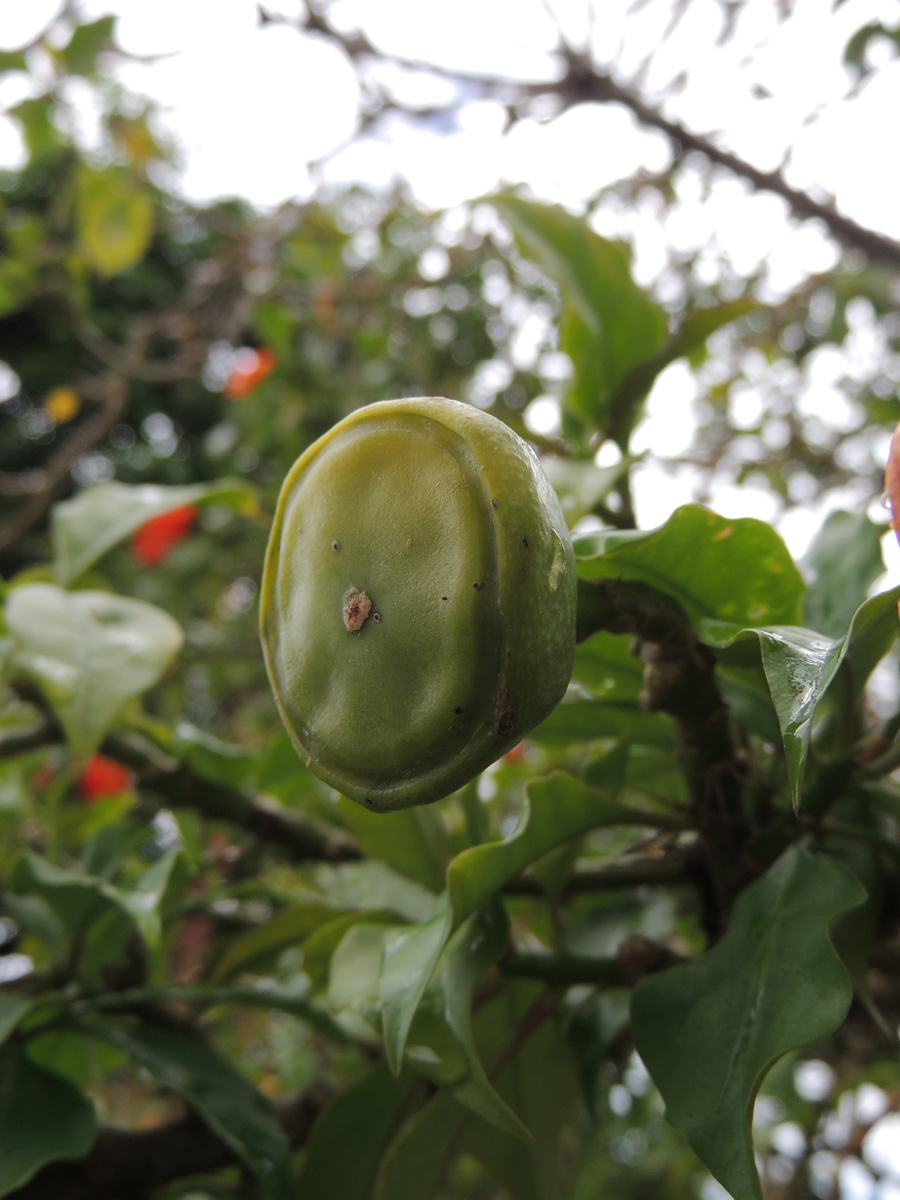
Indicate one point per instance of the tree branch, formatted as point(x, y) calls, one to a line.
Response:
point(582, 82)
point(177, 785)
point(42, 484)
point(259, 815)
point(127, 1165)
point(679, 679)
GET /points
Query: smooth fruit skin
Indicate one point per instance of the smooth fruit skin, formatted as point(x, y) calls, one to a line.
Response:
point(418, 600)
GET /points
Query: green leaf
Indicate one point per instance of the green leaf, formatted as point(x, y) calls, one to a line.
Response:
point(575, 720)
point(608, 324)
point(41, 133)
point(557, 808)
point(351, 1135)
point(77, 899)
point(89, 652)
point(690, 337)
point(708, 1031)
point(13, 1008)
point(581, 485)
point(287, 928)
point(477, 944)
point(228, 1103)
point(12, 60)
point(79, 57)
point(42, 1118)
point(368, 888)
point(374, 887)
point(539, 1082)
point(24, 237)
point(144, 900)
point(844, 560)
point(412, 1166)
point(97, 921)
point(736, 570)
point(412, 840)
point(440, 1044)
point(113, 219)
point(87, 526)
point(800, 665)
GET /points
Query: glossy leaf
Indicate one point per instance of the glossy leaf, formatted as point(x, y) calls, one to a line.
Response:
point(734, 570)
point(104, 514)
point(89, 652)
point(709, 1030)
point(43, 1117)
point(800, 665)
point(608, 323)
point(232, 1108)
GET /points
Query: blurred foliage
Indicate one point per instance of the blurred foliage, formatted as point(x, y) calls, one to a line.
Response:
point(191, 921)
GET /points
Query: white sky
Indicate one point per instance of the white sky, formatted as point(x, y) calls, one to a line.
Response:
point(251, 108)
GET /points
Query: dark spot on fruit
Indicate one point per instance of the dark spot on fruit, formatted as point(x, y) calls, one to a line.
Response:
point(368, 801)
point(525, 542)
point(443, 597)
point(493, 503)
point(335, 545)
point(477, 586)
point(356, 607)
point(376, 617)
point(457, 710)
point(505, 723)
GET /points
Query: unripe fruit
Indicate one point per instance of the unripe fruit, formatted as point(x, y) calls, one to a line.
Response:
point(418, 600)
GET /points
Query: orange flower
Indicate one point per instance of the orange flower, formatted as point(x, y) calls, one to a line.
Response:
point(152, 541)
point(103, 777)
point(62, 404)
point(250, 368)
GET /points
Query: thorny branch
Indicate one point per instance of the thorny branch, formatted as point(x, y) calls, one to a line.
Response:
point(580, 81)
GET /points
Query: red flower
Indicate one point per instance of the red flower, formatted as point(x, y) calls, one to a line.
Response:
point(251, 367)
point(103, 777)
point(152, 541)
point(892, 481)
point(892, 487)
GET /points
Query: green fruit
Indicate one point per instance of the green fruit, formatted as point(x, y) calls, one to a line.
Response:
point(418, 600)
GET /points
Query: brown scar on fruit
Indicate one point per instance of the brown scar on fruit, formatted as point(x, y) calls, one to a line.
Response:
point(356, 608)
